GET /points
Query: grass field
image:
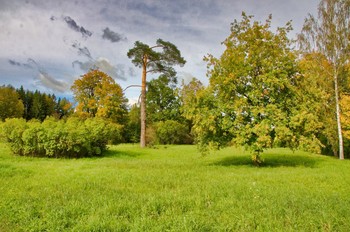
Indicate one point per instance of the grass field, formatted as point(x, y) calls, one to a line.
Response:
point(174, 188)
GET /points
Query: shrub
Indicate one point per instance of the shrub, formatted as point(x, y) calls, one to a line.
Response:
point(151, 136)
point(57, 138)
point(54, 135)
point(33, 144)
point(12, 131)
point(171, 132)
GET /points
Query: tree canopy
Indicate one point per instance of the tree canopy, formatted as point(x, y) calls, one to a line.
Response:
point(97, 94)
point(155, 61)
point(10, 104)
point(163, 102)
point(253, 93)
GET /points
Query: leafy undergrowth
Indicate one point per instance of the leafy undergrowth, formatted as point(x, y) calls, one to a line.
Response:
point(174, 188)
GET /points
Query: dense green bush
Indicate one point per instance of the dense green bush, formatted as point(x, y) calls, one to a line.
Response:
point(12, 131)
point(73, 137)
point(171, 132)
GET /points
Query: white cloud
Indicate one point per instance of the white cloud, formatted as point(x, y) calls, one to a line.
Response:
point(51, 83)
point(104, 65)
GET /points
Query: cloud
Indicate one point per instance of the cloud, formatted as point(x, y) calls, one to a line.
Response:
point(82, 50)
point(186, 77)
point(132, 72)
point(112, 36)
point(73, 25)
point(182, 13)
point(46, 30)
point(43, 77)
point(103, 64)
point(49, 82)
point(25, 65)
point(12, 62)
point(155, 10)
point(32, 62)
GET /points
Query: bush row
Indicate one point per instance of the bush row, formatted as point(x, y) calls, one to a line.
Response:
point(73, 137)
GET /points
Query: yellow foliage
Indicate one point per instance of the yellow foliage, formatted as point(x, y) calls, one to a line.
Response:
point(345, 115)
point(97, 94)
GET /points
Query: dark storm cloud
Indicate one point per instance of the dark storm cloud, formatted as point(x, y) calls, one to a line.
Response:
point(73, 25)
point(82, 50)
point(112, 36)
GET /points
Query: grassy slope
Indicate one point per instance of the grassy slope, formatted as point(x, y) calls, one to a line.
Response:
point(174, 189)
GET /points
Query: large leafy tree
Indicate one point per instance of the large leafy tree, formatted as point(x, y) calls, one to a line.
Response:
point(159, 58)
point(162, 100)
point(317, 92)
point(97, 94)
point(329, 35)
point(189, 95)
point(200, 108)
point(10, 104)
point(254, 86)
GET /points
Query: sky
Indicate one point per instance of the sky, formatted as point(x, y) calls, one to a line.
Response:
point(47, 44)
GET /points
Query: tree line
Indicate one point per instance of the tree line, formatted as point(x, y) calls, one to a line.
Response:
point(97, 95)
point(32, 104)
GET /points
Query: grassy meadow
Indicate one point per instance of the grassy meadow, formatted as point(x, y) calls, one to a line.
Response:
point(174, 188)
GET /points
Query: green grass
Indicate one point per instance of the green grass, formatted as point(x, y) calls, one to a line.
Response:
point(174, 189)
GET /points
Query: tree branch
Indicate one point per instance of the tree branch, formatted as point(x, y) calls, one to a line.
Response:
point(132, 86)
point(154, 70)
point(157, 46)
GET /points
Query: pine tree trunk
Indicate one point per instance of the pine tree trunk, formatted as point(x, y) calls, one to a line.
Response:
point(340, 136)
point(143, 104)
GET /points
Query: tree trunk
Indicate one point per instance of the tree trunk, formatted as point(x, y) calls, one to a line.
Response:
point(143, 104)
point(340, 136)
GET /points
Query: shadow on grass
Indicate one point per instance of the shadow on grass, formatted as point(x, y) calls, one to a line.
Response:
point(120, 153)
point(271, 161)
